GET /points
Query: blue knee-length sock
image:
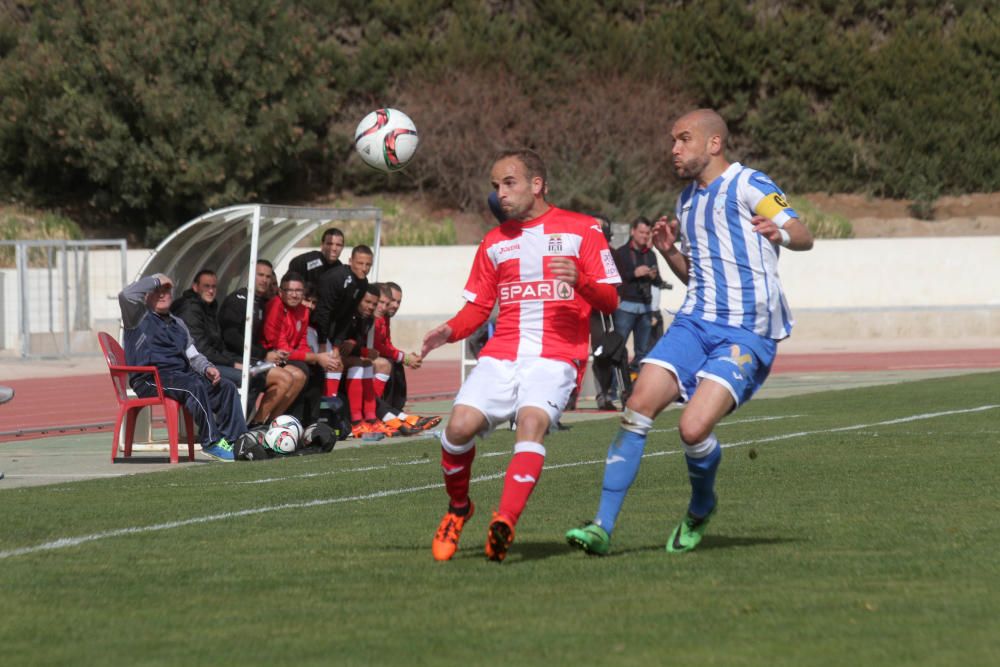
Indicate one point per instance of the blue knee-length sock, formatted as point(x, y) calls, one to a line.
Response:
point(621, 467)
point(702, 463)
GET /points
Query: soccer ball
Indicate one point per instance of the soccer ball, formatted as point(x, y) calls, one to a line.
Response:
point(288, 422)
point(279, 439)
point(386, 139)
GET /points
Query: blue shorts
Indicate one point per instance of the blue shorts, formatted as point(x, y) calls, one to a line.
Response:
point(693, 349)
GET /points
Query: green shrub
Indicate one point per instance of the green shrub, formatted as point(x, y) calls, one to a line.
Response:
point(160, 109)
point(155, 110)
point(822, 224)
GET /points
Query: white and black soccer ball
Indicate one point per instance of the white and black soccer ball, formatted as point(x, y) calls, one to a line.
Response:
point(280, 440)
point(386, 139)
point(289, 422)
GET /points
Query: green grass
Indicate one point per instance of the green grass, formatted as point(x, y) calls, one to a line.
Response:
point(845, 540)
point(822, 224)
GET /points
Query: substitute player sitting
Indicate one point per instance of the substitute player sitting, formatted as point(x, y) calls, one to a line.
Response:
point(547, 267)
point(731, 221)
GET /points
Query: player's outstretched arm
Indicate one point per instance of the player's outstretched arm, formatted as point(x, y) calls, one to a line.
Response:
point(470, 318)
point(435, 338)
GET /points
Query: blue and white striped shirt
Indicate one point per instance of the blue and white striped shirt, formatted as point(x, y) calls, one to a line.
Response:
point(733, 271)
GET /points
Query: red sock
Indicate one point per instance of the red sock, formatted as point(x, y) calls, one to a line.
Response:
point(457, 469)
point(368, 399)
point(381, 379)
point(523, 474)
point(355, 393)
point(332, 384)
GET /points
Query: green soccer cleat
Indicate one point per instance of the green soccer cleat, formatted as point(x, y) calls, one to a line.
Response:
point(689, 532)
point(589, 538)
point(220, 451)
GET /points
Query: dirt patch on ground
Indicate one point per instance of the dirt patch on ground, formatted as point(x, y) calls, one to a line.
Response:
point(966, 215)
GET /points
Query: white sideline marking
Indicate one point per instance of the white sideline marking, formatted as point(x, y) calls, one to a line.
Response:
point(66, 542)
point(730, 422)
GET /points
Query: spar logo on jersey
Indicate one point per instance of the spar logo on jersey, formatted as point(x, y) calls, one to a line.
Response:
point(555, 244)
point(535, 290)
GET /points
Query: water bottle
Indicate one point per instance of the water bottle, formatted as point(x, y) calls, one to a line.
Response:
point(260, 367)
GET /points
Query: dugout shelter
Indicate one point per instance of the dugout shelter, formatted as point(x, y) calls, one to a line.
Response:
point(230, 240)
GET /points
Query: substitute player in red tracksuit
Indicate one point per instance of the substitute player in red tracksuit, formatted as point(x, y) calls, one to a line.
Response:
point(547, 268)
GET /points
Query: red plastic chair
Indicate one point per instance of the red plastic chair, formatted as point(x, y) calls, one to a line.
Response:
point(128, 408)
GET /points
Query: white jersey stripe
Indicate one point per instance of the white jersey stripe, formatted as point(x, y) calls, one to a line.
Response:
point(733, 271)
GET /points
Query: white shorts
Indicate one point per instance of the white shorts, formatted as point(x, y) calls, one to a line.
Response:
point(499, 389)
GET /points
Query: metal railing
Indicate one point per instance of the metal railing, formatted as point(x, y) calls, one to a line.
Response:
point(59, 294)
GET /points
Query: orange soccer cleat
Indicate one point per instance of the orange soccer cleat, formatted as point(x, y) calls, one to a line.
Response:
point(422, 423)
point(363, 431)
point(379, 426)
point(401, 427)
point(445, 542)
point(499, 536)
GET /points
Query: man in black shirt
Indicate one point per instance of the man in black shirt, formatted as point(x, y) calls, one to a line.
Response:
point(313, 264)
point(339, 291)
point(637, 265)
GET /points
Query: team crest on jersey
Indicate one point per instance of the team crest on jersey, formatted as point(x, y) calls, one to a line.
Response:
point(555, 244)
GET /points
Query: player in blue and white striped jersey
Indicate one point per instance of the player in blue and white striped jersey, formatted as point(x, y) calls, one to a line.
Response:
point(731, 222)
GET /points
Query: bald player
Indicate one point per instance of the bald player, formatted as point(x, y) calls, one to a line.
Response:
point(723, 242)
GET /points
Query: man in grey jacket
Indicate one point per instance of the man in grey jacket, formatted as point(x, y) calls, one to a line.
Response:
point(155, 337)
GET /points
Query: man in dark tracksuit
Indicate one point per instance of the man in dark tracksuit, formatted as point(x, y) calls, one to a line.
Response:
point(155, 337)
point(198, 306)
point(340, 290)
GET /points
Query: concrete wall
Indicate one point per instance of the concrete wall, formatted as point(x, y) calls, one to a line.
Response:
point(855, 289)
point(918, 288)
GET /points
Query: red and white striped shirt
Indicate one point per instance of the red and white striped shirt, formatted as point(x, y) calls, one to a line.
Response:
point(539, 315)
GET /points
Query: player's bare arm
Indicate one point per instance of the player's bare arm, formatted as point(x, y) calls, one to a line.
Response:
point(798, 235)
point(665, 234)
point(435, 338)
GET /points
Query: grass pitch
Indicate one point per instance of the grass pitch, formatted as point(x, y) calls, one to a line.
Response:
point(855, 527)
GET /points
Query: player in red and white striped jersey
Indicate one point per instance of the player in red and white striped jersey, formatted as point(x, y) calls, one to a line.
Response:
point(547, 268)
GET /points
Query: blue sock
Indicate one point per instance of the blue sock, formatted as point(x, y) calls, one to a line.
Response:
point(701, 471)
point(620, 470)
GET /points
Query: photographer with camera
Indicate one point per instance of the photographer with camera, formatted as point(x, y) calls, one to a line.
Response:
point(638, 268)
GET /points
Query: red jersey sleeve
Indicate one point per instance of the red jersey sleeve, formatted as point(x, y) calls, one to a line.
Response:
point(295, 333)
point(481, 287)
point(599, 272)
point(383, 341)
point(270, 333)
point(596, 258)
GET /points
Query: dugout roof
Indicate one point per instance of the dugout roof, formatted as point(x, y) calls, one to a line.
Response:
point(230, 240)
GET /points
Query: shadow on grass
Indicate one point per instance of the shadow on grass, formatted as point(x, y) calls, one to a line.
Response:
point(707, 544)
point(524, 551)
point(727, 541)
point(143, 459)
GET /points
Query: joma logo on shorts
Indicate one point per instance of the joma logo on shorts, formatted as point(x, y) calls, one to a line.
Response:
point(538, 290)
